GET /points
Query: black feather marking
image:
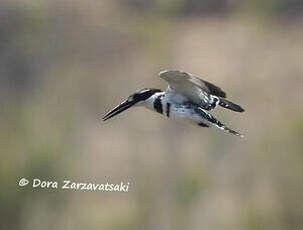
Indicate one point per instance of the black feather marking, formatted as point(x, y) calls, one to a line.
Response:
point(230, 105)
point(203, 125)
point(215, 90)
point(167, 109)
point(143, 94)
point(158, 105)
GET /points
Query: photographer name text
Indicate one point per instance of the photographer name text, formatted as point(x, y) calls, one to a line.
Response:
point(71, 185)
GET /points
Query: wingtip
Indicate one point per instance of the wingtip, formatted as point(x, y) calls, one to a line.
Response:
point(240, 110)
point(170, 71)
point(237, 134)
point(163, 72)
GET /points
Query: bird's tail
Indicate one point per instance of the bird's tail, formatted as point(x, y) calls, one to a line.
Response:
point(230, 105)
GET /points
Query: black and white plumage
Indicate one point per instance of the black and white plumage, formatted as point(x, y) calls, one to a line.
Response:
point(187, 98)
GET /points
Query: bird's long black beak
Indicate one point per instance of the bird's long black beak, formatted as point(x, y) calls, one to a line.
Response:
point(118, 109)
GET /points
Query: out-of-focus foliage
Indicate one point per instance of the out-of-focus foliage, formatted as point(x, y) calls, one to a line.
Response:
point(273, 8)
point(65, 63)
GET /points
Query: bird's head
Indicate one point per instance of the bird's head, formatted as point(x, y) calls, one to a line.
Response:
point(137, 98)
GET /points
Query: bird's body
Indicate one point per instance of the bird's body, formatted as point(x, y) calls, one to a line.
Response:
point(186, 98)
point(171, 107)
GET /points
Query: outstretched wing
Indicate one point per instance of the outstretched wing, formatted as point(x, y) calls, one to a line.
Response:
point(190, 86)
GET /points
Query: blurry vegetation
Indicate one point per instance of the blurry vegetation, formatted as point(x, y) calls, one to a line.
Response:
point(63, 63)
point(286, 8)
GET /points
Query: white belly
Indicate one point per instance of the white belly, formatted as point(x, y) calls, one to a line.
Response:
point(181, 110)
point(184, 113)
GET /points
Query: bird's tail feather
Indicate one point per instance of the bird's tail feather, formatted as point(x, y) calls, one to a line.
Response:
point(230, 105)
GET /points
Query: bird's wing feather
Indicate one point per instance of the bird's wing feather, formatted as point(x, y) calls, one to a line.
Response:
point(188, 84)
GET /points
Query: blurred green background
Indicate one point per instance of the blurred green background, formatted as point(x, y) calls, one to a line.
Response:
point(64, 63)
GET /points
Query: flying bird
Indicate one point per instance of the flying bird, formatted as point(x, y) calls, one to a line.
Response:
point(187, 98)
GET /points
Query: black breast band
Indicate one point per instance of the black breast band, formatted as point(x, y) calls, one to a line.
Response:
point(167, 109)
point(158, 105)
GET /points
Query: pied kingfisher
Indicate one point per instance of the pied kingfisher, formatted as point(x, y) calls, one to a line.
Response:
point(187, 97)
